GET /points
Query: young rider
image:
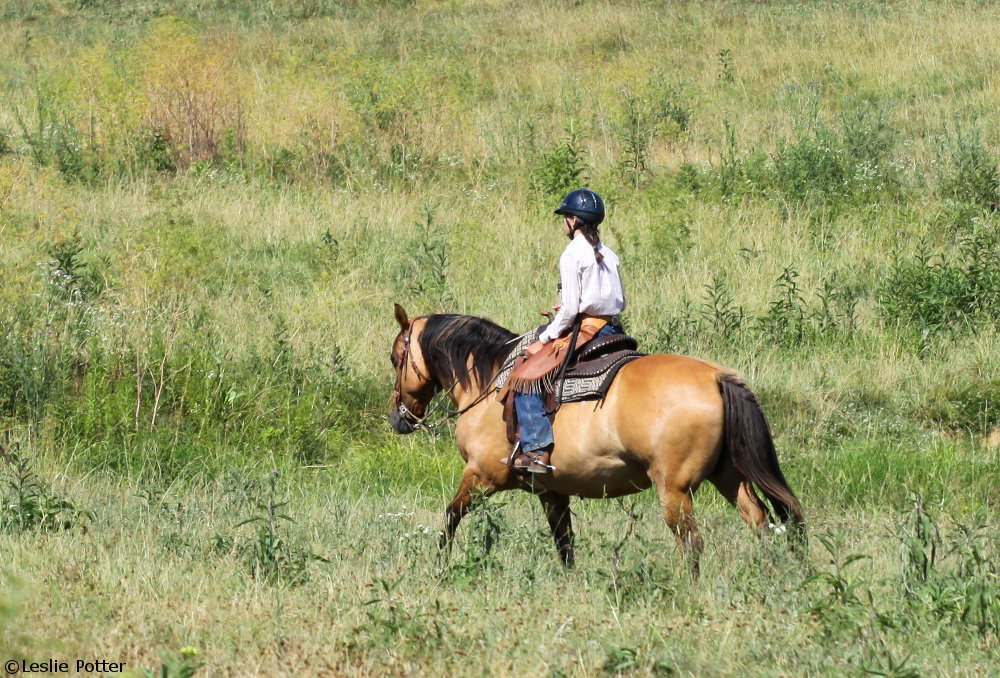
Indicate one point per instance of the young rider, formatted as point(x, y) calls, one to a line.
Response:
point(591, 293)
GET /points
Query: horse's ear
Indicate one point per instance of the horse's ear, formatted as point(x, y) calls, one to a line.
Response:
point(401, 318)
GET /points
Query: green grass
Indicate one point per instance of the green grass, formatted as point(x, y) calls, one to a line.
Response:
point(165, 567)
point(207, 210)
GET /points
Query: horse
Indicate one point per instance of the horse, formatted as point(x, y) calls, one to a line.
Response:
point(667, 421)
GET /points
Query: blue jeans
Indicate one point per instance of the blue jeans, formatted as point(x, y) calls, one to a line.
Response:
point(535, 428)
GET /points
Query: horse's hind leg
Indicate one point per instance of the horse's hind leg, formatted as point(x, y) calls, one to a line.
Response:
point(678, 512)
point(557, 512)
point(470, 487)
point(740, 493)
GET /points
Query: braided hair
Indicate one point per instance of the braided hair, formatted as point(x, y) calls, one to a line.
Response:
point(593, 237)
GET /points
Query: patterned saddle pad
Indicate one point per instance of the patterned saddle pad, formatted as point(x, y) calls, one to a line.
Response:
point(589, 379)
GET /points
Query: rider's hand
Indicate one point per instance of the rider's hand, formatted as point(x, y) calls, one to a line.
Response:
point(534, 347)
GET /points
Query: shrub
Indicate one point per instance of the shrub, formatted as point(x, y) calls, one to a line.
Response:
point(970, 171)
point(560, 170)
point(29, 504)
point(270, 555)
point(192, 93)
point(820, 164)
point(934, 293)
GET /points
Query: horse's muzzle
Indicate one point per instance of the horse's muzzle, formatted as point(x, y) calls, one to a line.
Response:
point(401, 424)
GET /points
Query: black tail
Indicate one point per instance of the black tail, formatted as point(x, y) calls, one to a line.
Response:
point(747, 437)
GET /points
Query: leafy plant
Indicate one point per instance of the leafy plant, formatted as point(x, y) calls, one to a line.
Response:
point(620, 660)
point(636, 130)
point(719, 309)
point(390, 621)
point(559, 170)
point(28, 504)
point(431, 260)
point(845, 598)
point(970, 172)
point(726, 70)
point(484, 527)
point(183, 664)
point(785, 320)
point(934, 292)
point(270, 555)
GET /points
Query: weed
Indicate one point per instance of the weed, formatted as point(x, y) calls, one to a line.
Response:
point(889, 666)
point(431, 261)
point(28, 504)
point(620, 660)
point(821, 164)
point(69, 275)
point(953, 580)
point(632, 575)
point(785, 320)
point(727, 72)
point(921, 541)
point(389, 621)
point(484, 527)
point(676, 332)
point(969, 170)
point(845, 599)
point(51, 136)
point(193, 95)
point(935, 293)
point(724, 317)
point(559, 170)
point(183, 664)
point(669, 106)
point(838, 302)
point(813, 166)
point(178, 519)
point(635, 132)
point(270, 556)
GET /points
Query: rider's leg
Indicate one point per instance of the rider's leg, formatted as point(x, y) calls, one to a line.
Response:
point(535, 432)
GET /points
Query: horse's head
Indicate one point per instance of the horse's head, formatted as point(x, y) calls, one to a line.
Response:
point(414, 386)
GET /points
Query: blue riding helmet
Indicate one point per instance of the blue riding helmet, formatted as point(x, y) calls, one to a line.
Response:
point(583, 203)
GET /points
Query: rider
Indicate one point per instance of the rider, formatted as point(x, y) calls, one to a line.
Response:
point(590, 288)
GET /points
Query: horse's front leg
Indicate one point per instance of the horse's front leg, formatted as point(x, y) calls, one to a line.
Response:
point(472, 486)
point(560, 519)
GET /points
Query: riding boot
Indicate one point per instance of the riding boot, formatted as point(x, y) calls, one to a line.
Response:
point(535, 461)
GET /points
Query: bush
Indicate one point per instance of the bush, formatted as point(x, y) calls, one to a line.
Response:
point(29, 504)
point(970, 173)
point(820, 164)
point(560, 170)
point(933, 293)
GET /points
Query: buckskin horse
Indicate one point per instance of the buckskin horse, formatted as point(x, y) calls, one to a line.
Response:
point(667, 420)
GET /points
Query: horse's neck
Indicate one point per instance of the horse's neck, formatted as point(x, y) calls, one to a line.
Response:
point(465, 396)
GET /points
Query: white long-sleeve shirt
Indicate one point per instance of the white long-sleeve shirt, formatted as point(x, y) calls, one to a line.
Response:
point(587, 287)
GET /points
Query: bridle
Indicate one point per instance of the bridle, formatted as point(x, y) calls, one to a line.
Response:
point(406, 414)
point(405, 361)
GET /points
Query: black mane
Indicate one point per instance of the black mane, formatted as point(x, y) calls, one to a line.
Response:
point(449, 339)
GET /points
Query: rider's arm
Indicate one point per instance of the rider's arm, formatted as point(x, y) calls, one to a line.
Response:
point(569, 276)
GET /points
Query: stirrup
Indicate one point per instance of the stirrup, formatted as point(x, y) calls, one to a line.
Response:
point(509, 459)
point(536, 465)
point(531, 462)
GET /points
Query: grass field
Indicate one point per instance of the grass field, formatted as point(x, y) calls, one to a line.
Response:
point(208, 208)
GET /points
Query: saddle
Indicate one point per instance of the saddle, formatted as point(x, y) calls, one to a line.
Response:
point(535, 373)
point(588, 374)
